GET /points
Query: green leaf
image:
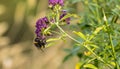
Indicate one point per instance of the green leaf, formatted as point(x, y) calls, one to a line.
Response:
point(80, 34)
point(50, 44)
point(53, 39)
point(95, 46)
point(113, 63)
point(90, 66)
point(67, 57)
point(97, 30)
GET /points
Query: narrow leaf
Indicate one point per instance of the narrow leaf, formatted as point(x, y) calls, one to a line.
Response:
point(90, 66)
point(52, 39)
point(98, 30)
point(50, 44)
point(95, 46)
point(80, 34)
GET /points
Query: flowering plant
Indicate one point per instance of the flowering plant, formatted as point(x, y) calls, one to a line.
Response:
point(99, 33)
point(43, 25)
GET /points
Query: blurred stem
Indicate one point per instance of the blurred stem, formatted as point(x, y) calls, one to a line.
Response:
point(67, 34)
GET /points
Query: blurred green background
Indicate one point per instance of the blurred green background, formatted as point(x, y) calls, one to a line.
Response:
point(17, 25)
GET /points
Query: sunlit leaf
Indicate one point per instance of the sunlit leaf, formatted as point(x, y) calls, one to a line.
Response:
point(53, 39)
point(80, 34)
point(97, 30)
point(113, 63)
point(90, 66)
point(50, 44)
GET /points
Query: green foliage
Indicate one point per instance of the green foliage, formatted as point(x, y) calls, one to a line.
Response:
point(100, 34)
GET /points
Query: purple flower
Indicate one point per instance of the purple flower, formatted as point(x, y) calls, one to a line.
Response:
point(64, 13)
point(41, 24)
point(55, 2)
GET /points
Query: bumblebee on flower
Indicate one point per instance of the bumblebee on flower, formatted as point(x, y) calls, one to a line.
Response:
point(46, 23)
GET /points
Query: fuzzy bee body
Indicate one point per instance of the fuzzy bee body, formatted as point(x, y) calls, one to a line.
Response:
point(39, 43)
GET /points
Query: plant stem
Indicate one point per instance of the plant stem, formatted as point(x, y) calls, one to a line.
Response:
point(67, 34)
point(79, 43)
point(113, 51)
point(57, 24)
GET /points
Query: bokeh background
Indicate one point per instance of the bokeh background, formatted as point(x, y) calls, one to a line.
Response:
point(17, 25)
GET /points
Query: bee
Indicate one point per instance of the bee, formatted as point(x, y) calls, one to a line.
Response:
point(39, 43)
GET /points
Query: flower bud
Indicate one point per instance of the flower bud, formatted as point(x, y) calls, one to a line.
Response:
point(41, 24)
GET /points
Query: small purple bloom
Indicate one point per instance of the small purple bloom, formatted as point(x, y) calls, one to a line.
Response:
point(64, 13)
point(55, 2)
point(40, 39)
point(41, 24)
